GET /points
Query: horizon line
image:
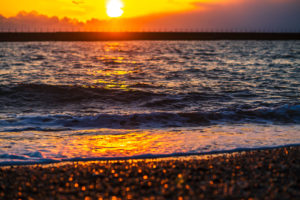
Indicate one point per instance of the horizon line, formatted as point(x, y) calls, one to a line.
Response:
point(126, 36)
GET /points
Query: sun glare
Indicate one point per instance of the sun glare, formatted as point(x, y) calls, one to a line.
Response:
point(114, 8)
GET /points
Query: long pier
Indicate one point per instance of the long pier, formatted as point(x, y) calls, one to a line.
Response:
point(121, 36)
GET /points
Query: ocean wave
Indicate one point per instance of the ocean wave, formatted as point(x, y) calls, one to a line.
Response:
point(142, 96)
point(8, 159)
point(26, 156)
point(26, 128)
point(69, 94)
point(286, 114)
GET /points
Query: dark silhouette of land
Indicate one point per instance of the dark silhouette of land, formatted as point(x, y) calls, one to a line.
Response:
point(111, 36)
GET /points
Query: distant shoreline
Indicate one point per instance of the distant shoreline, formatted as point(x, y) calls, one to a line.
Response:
point(126, 36)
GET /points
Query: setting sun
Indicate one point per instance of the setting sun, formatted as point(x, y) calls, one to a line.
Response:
point(114, 8)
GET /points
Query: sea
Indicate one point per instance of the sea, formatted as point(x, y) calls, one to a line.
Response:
point(82, 101)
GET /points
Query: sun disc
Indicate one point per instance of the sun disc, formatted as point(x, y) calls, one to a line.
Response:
point(114, 8)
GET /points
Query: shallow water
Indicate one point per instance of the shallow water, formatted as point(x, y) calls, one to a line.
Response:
point(75, 100)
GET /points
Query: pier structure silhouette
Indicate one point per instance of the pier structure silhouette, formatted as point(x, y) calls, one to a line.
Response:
point(20, 33)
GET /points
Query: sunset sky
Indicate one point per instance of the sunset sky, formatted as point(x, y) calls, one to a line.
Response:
point(282, 14)
point(87, 9)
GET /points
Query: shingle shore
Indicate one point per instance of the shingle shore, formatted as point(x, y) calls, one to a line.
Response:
point(258, 174)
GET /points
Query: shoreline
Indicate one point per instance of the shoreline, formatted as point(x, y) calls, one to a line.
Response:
point(127, 36)
point(216, 153)
point(256, 174)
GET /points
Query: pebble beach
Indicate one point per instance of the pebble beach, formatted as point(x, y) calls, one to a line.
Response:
point(256, 174)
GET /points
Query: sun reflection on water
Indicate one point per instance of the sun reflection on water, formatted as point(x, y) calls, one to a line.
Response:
point(114, 68)
point(124, 143)
point(111, 84)
point(112, 143)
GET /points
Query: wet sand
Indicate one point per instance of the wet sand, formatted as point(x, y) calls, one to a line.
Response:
point(258, 174)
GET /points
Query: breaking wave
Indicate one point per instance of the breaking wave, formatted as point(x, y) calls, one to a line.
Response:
point(286, 114)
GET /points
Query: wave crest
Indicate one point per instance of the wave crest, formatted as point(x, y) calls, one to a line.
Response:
point(286, 114)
